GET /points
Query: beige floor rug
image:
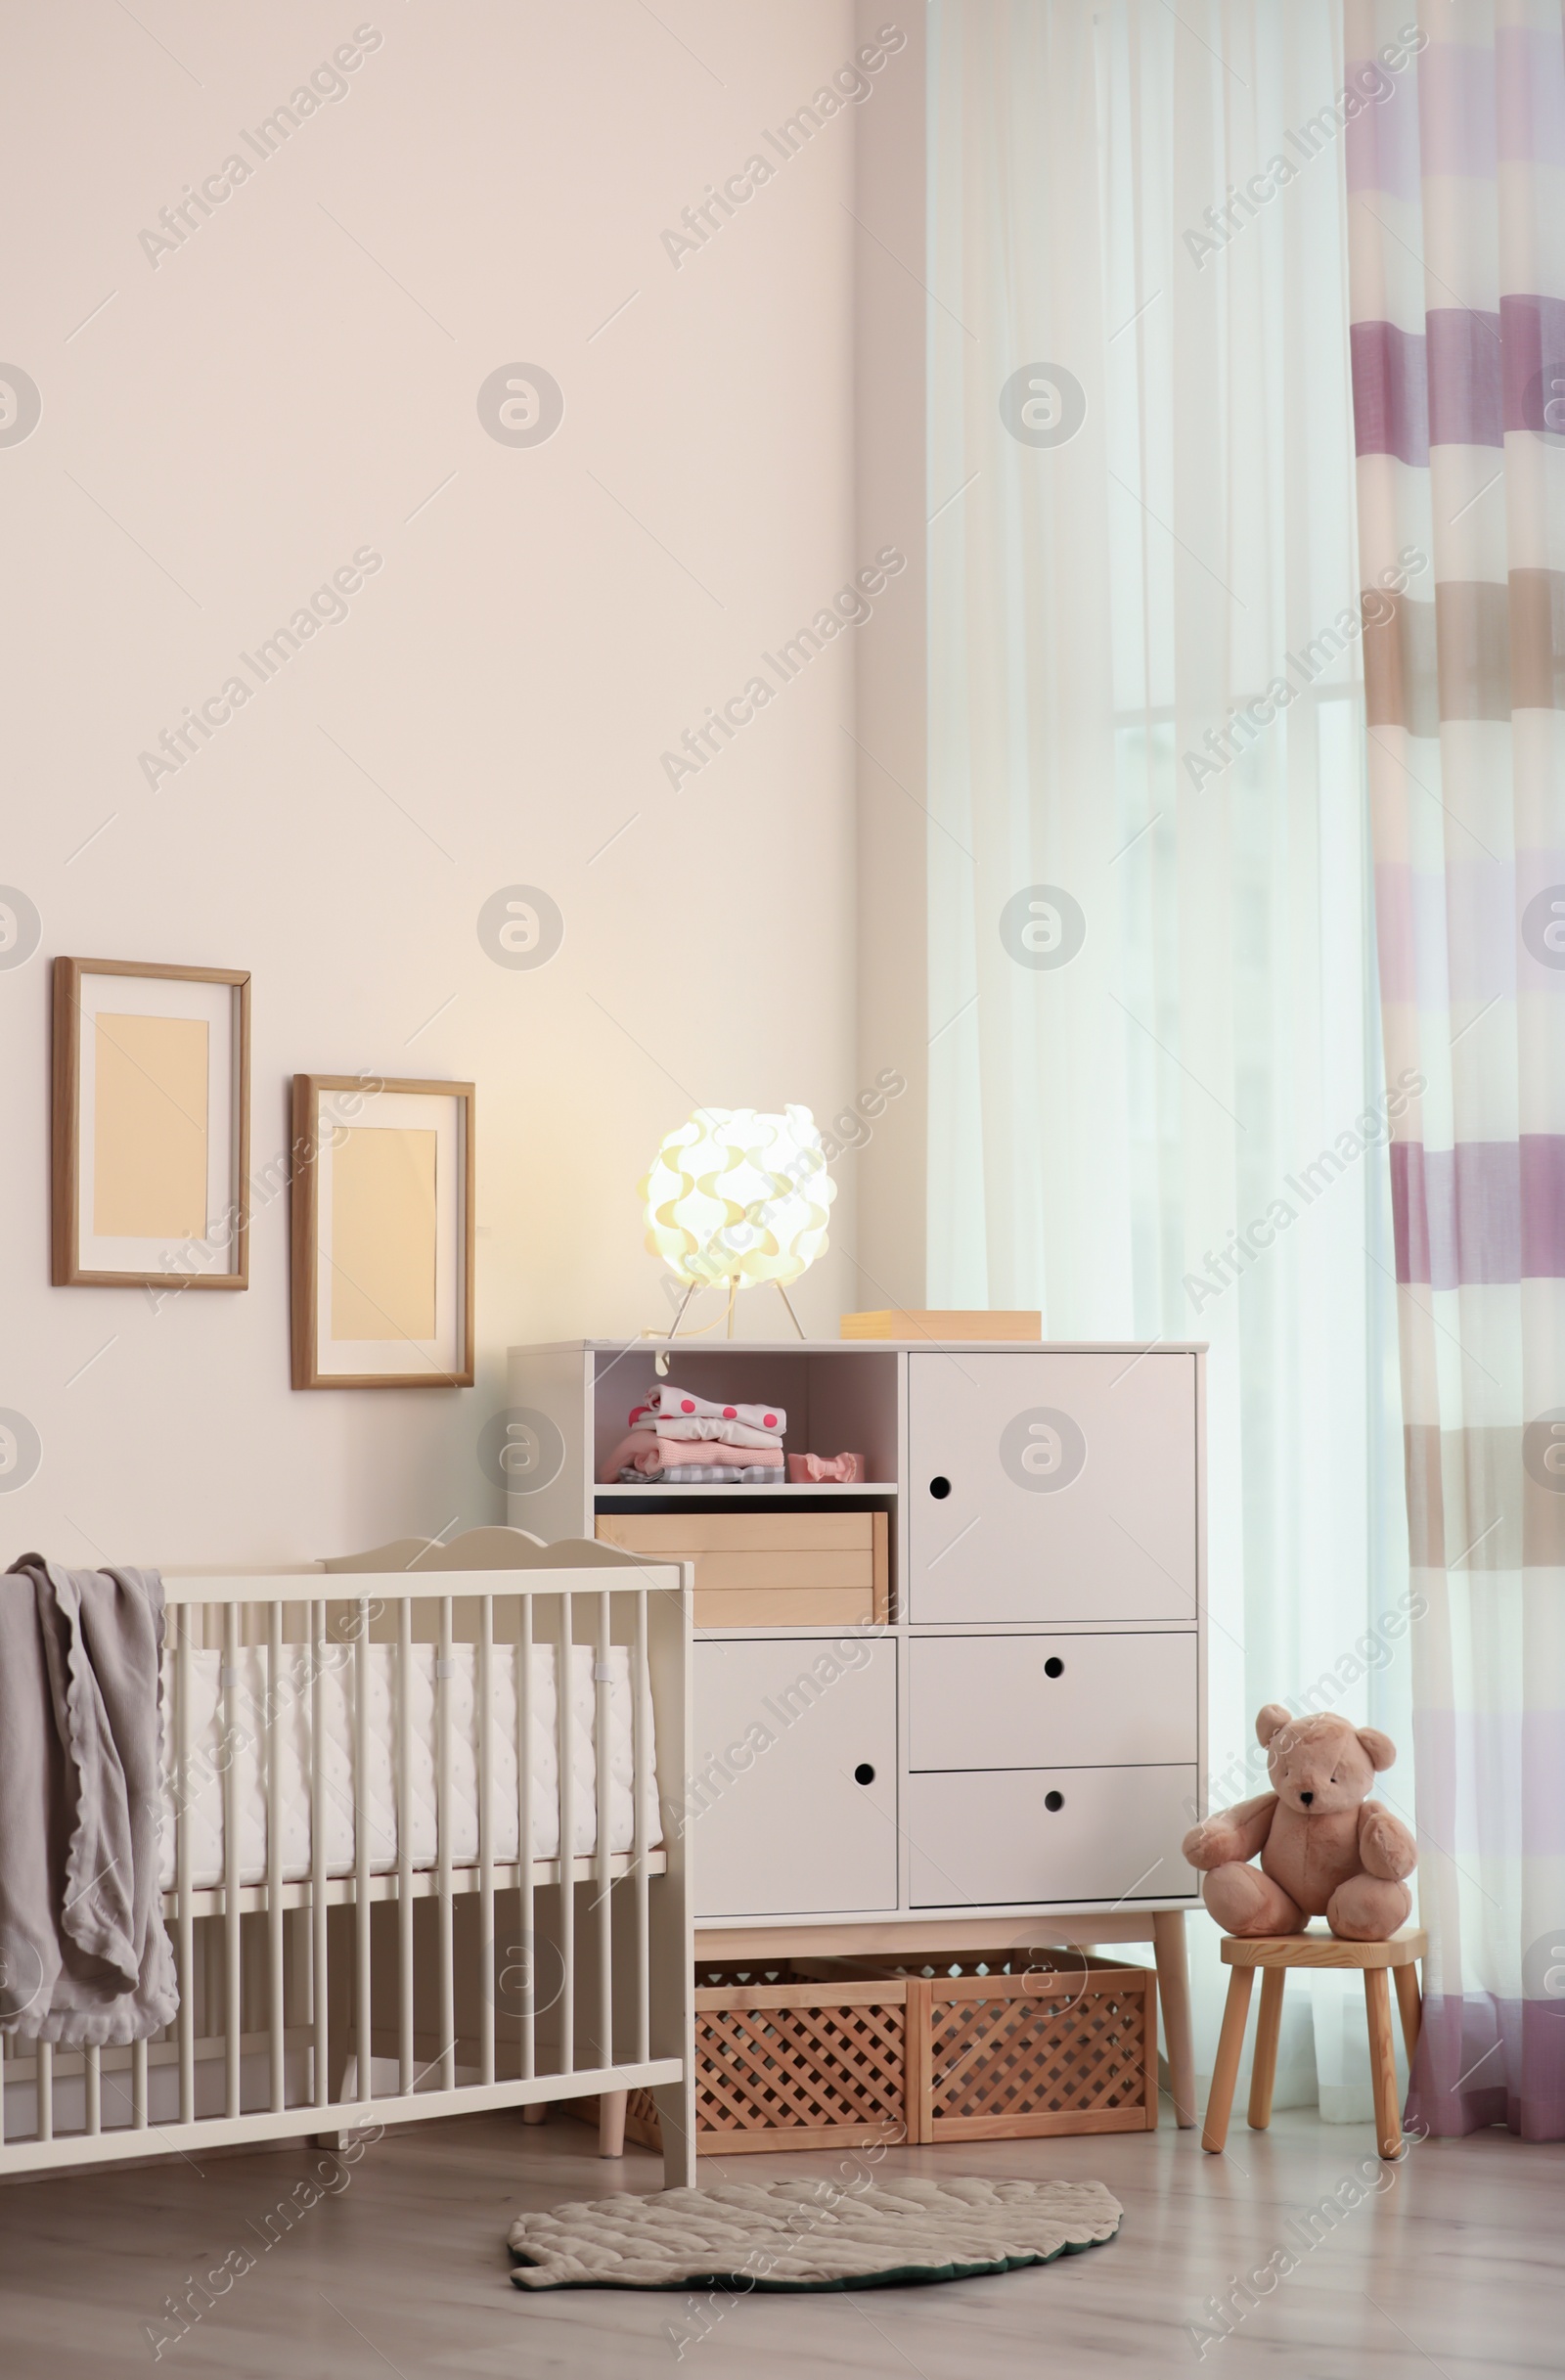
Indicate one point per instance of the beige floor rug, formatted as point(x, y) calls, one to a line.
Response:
point(810, 2235)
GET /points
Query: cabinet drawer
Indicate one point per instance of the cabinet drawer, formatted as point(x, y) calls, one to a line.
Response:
point(1052, 1486)
point(1060, 1702)
point(991, 1837)
point(770, 1569)
point(792, 1805)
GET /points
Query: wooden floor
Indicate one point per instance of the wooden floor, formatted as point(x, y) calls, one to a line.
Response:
point(1456, 2268)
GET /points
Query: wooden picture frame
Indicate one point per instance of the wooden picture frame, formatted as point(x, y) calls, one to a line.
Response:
point(151, 1130)
point(381, 1232)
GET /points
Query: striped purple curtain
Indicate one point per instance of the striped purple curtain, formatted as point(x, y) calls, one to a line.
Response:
point(1455, 166)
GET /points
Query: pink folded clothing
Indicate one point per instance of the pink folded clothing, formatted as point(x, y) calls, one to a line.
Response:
point(805, 1469)
point(644, 1454)
point(695, 1428)
point(750, 1457)
point(638, 1454)
point(666, 1400)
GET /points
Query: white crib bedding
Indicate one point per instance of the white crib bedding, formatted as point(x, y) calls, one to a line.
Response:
point(256, 1743)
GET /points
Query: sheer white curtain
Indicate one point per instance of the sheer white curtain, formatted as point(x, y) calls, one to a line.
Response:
point(1151, 955)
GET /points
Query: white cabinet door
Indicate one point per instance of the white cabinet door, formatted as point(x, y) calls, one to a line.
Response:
point(1048, 1834)
point(1056, 1702)
point(1055, 1486)
point(792, 1804)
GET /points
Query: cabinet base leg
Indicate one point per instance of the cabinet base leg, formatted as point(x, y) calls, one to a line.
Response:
point(1173, 1997)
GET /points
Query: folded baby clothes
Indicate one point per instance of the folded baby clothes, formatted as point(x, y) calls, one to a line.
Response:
point(719, 1474)
point(645, 1455)
point(696, 1426)
point(665, 1399)
point(692, 1450)
point(634, 1456)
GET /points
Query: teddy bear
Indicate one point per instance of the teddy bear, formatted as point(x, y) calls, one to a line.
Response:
point(1325, 1850)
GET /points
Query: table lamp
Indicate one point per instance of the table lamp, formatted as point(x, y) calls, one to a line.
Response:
point(736, 1196)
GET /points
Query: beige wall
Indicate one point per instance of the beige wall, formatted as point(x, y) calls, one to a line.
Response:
point(297, 381)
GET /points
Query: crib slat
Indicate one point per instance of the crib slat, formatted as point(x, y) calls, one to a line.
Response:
point(138, 2086)
point(2, 2090)
point(231, 1867)
point(486, 1880)
point(186, 1943)
point(93, 2090)
point(526, 1952)
point(361, 1848)
point(320, 1979)
point(603, 1900)
point(566, 1716)
point(640, 1762)
point(405, 1846)
point(443, 1828)
point(44, 2089)
point(275, 2014)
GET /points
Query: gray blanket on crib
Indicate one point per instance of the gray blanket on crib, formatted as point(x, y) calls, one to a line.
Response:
point(84, 1956)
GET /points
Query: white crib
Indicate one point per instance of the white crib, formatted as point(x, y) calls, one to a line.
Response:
point(435, 1978)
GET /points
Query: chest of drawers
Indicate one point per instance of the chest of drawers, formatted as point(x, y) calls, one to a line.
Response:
point(1023, 1735)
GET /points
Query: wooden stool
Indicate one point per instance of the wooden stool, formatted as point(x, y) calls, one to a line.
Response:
point(1275, 1954)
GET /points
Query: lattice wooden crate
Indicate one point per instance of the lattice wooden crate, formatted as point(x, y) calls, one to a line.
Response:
point(786, 2062)
point(1066, 2047)
point(1024, 2044)
point(821, 2052)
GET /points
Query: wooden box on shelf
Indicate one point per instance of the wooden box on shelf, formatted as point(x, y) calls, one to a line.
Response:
point(770, 1569)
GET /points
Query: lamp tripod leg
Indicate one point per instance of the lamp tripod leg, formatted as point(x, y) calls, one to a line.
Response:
point(792, 1317)
point(660, 1358)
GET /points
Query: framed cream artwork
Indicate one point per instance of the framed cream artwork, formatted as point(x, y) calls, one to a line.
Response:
point(151, 1146)
point(382, 1232)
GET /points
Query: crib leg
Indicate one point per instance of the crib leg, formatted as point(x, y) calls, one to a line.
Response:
point(344, 2065)
point(676, 2118)
point(611, 2122)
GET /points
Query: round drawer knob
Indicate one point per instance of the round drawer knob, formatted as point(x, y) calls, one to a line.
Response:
point(1053, 1666)
point(940, 1488)
point(1053, 1800)
point(863, 1774)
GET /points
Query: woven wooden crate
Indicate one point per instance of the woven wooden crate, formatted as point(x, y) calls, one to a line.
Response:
point(1070, 2047)
point(787, 2059)
point(825, 2052)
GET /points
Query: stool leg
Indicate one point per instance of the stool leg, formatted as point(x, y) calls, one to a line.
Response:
point(1263, 2071)
point(1225, 2072)
point(1410, 2005)
point(1382, 2062)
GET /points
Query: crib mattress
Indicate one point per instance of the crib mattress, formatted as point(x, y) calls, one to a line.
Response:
point(283, 1734)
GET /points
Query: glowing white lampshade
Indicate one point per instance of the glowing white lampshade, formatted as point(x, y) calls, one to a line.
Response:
point(733, 1194)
